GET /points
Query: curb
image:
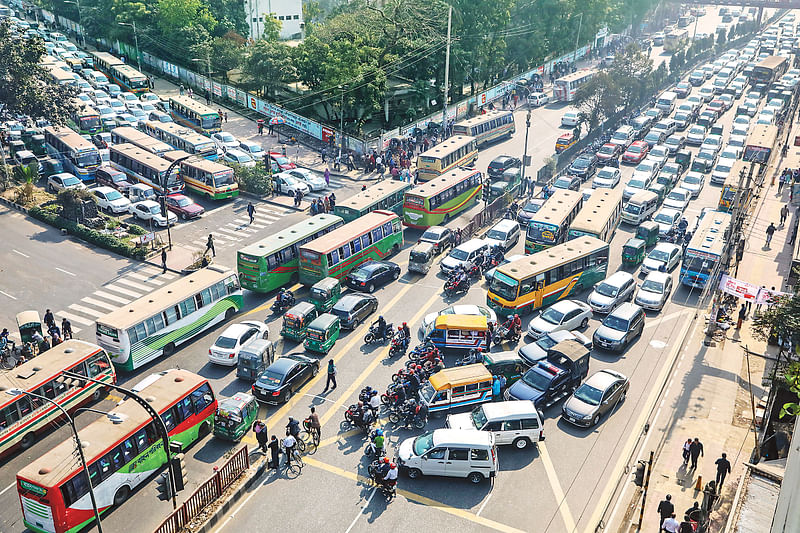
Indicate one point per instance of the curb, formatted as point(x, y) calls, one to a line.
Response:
point(13, 205)
point(233, 498)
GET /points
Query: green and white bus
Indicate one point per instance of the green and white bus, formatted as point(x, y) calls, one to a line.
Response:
point(385, 195)
point(550, 225)
point(158, 322)
point(85, 120)
point(442, 199)
point(272, 262)
point(374, 236)
point(488, 127)
point(192, 113)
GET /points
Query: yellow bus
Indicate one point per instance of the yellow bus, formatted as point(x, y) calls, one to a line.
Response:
point(209, 178)
point(599, 216)
point(192, 113)
point(550, 225)
point(487, 127)
point(59, 75)
point(128, 134)
point(457, 151)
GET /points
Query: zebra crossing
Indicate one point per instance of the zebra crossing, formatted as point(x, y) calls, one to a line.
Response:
point(240, 228)
point(335, 183)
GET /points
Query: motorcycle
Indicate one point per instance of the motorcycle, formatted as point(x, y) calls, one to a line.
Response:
point(282, 304)
point(352, 418)
point(374, 335)
point(406, 418)
point(398, 345)
point(470, 359)
point(453, 287)
point(507, 334)
point(428, 361)
point(423, 351)
point(388, 489)
point(370, 449)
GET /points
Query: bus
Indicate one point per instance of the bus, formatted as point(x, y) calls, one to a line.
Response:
point(140, 165)
point(121, 453)
point(23, 417)
point(550, 224)
point(727, 196)
point(760, 143)
point(488, 127)
point(157, 323)
point(128, 134)
point(455, 151)
point(130, 79)
point(564, 88)
point(272, 262)
point(195, 115)
point(60, 76)
point(538, 280)
point(77, 155)
point(85, 120)
point(386, 195)
point(104, 62)
point(704, 252)
point(182, 138)
point(768, 70)
point(599, 216)
point(442, 199)
point(376, 235)
point(202, 176)
point(675, 40)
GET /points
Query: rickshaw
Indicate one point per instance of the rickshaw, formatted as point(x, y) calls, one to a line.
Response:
point(29, 323)
point(660, 189)
point(36, 144)
point(684, 159)
point(461, 332)
point(633, 252)
point(15, 146)
point(254, 358)
point(508, 364)
point(297, 319)
point(325, 293)
point(322, 333)
point(565, 141)
point(50, 166)
point(648, 232)
point(235, 416)
point(457, 387)
point(421, 258)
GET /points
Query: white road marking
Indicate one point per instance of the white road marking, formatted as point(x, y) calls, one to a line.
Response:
point(75, 318)
point(86, 310)
point(126, 292)
point(146, 279)
point(98, 303)
point(488, 497)
point(555, 485)
point(134, 285)
point(23, 255)
point(65, 271)
point(7, 488)
point(6, 294)
point(111, 297)
point(233, 514)
point(361, 511)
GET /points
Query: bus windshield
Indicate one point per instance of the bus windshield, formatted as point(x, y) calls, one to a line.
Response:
point(540, 231)
point(89, 123)
point(504, 286)
point(210, 121)
point(223, 178)
point(695, 263)
point(87, 159)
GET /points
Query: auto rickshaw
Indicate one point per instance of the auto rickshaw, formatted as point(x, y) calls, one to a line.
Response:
point(325, 293)
point(633, 252)
point(684, 159)
point(235, 416)
point(565, 141)
point(15, 146)
point(29, 323)
point(660, 190)
point(50, 166)
point(36, 144)
point(648, 232)
point(254, 358)
point(297, 319)
point(421, 258)
point(322, 333)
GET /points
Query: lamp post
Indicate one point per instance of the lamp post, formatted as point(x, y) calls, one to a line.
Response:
point(525, 152)
point(578, 36)
point(207, 61)
point(132, 24)
point(341, 123)
point(164, 180)
point(77, 4)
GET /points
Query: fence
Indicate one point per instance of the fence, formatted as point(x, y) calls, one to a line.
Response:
point(207, 492)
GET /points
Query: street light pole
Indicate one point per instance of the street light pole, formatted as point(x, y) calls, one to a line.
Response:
point(164, 179)
point(341, 124)
point(132, 24)
point(525, 152)
point(578, 36)
point(77, 4)
point(208, 74)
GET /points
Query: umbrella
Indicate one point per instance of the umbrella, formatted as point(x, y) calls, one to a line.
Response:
point(277, 121)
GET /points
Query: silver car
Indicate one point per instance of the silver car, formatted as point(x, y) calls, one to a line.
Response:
point(597, 396)
point(611, 292)
point(564, 314)
point(537, 350)
point(655, 291)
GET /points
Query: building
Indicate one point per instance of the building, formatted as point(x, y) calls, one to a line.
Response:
point(288, 12)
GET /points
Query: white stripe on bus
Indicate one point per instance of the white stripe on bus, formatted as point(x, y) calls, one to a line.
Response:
point(112, 298)
point(87, 310)
point(74, 318)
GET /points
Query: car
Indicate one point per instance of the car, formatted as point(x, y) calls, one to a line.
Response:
point(564, 314)
point(282, 161)
point(504, 234)
point(152, 98)
point(461, 309)
point(538, 99)
point(352, 309)
point(683, 89)
point(572, 183)
point(528, 210)
point(609, 153)
point(727, 101)
point(286, 184)
point(675, 142)
point(766, 120)
point(596, 397)
point(225, 350)
point(717, 106)
point(284, 377)
point(126, 119)
point(748, 108)
point(697, 77)
point(439, 236)
point(111, 200)
point(489, 274)
point(64, 181)
point(501, 163)
point(641, 125)
point(537, 350)
point(149, 210)
point(372, 274)
point(569, 119)
point(654, 291)
point(739, 130)
point(654, 113)
point(693, 182)
point(621, 327)
point(712, 143)
point(611, 292)
point(606, 177)
point(654, 137)
point(117, 106)
point(253, 149)
point(127, 97)
point(463, 255)
point(636, 152)
point(706, 93)
point(682, 120)
point(667, 219)
point(583, 166)
point(183, 206)
point(659, 154)
point(314, 181)
point(704, 162)
point(623, 137)
point(158, 116)
point(646, 170)
point(673, 168)
point(107, 175)
point(678, 198)
point(667, 178)
point(666, 125)
point(239, 157)
point(663, 258)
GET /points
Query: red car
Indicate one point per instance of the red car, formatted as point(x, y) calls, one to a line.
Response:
point(282, 161)
point(184, 207)
point(636, 152)
point(609, 151)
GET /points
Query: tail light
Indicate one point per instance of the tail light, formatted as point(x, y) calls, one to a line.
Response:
point(276, 393)
point(231, 355)
point(253, 388)
point(209, 351)
point(494, 457)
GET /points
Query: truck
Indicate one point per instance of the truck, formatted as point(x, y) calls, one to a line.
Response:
point(553, 378)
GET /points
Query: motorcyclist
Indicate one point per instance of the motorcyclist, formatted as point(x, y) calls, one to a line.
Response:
point(683, 224)
point(405, 337)
point(366, 418)
point(476, 355)
point(378, 441)
point(390, 479)
point(516, 324)
point(498, 253)
point(413, 383)
point(381, 325)
point(284, 297)
point(383, 468)
point(374, 403)
point(293, 427)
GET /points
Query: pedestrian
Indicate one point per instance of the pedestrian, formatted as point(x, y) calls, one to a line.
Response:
point(332, 200)
point(271, 127)
point(671, 525)
point(665, 508)
point(226, 116)
point(770, 231)
point(489, 337)
point(297, 198)
point(151, 82)
point(190, 92)
point(496, 396)
point(208, 100)
point(210, 246)
point(326, 204)
point(723, 469)
point(331, 376)
point(251, 211)
point(327, 177)
point(260, 124)
point(260, 429)
point(686, 446)
point(695, 451)
point(181, 89)
point(503, 382)
point(758, 306)
point(363, 188)
point(274, 451)
point(784, 214)
point(164, 260)
point(742, 316)
point(219, 112)
point(49, 319)
point(313, 207)
point(66, 328)
point(781, 181)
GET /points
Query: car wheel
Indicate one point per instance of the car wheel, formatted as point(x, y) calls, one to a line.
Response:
point(584, 323)
point(184, 217)
point(414, 473)
point(371, 288)
point(622, 397)
point(314, 370)
point(288, 395)
point(396, 274)
point(475, 477)
point(596, 419)
point(521, 443)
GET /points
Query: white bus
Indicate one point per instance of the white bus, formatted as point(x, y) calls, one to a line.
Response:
point(128, 134)
point(182, 138)
point(143, 166)
point(76, 154)
point(564, 88)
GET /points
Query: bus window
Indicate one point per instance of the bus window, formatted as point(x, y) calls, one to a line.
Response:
point(366, 240)
point(387, 228)
point(344, 251)
point(184, 409)
point(199, 397)
point(333, 257)
point(356, 245)
point(187, 307)
point(376, 235)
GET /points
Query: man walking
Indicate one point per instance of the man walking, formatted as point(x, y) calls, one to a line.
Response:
point(671, 524)
point(260, 124)
point(784, 213)
point(251, 211)
point(164, 260)
point(49, 319)
point(665, 508)
point(695, 451)
point(66, 328)
point(723, 469)
point(770, 231)
point(331, 376)
point(210, 246)
point(742, 316)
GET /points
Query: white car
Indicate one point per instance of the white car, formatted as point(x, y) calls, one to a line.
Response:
point(646, 170)
point(606, 178)
point(254, 149)
point(537, 350)
point(721, 171)
point(564, 314)
point(64, 181)
point(696, 135)
point(663, 258)
point(127, 98)
point(111, 200)
point(224, 141)
point(570, 118)
point(153, 99)
point(693, 182)
point(287, 184)
point(225, 350)
point(678, 198)
point(234, 155)
point(150, 210)
point(654, 291)
point(462, 309)
point(667, 218)
point(314, 181)
point(712, 143)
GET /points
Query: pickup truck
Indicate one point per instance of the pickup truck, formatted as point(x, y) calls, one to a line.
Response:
point(553, 378)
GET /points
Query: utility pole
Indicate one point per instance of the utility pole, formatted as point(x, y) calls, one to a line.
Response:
point(578, 36)
point(341, 124)
point(447, 70)
point(525, 152)
point(132, 24)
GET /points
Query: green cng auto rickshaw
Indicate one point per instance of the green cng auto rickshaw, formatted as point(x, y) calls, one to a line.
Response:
point(325, 293)
point(297, 319)
point(508, 364)
point(235, 416)
point(36, 144)
point(633, 252)
point(660, 190)
point(322, 333)
point(648, 232)
point(28, 323)
point(421, 258)
point(254, 358)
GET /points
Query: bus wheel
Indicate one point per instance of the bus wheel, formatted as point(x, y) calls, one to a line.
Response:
point(447, 218)
point(98, 393)
point(229, 313)
point(395, 249)
point(28, 440)
point(205, 429)
point(121, 495)
point(169, 349)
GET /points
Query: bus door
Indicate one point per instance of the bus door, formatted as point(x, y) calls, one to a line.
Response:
point(539, 291)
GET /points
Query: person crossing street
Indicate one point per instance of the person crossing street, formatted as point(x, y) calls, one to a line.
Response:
point(251, 211)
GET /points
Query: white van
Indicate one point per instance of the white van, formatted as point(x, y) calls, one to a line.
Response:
point(639, 208)
point(537, 99)
point(141, 192)
point(464, 253)
point(504, 234)
point(666, 102)
point(451, 453)
point(514, 422)
point(96, 79)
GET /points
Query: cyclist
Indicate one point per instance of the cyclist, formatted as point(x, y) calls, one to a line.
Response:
point(289, 444)
point(293, 427)
point(313, 420)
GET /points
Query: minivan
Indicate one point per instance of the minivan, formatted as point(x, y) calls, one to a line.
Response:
point(624, 136)
point(640, 207)
point(462, 254)
point(516, 422)
point(666, 102)
point(504, 234)
point(620, 328)
point(451, 453)
point(611, 292)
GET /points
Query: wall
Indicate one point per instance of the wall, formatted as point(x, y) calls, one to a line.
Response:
point(288, 12)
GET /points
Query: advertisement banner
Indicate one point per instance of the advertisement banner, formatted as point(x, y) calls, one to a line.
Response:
point(241, 97)
point(740, 289)
point(217, 89)
point(769, 297)
point(251, 102)
point(230, 92)
point(327, 134)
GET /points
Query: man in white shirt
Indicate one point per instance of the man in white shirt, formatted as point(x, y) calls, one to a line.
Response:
point(391, 476)
point(288, 444)
point(671, 525)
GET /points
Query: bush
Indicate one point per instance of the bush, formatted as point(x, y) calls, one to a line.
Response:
point(133, 229)
point(253, 179)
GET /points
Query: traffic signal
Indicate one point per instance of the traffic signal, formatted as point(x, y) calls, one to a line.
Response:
point(179, 467)
point(638, 475)
point(266, 161)
point(485, 193)
point(164, 487)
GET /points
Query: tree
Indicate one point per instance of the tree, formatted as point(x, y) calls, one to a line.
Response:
point(632, 70)
point(176, 14)
point(721, 38)
point(598, 99)
point(267, 65)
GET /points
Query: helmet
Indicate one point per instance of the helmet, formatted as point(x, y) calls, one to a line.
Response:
point(418, 367)
point(392, 465)
point(399, 328)
point(379, 431)
point(373, 393)
point(385, 459)
point(404, 324)
point(479, 349)
point(516, 316)
point(291, 419)
point(368, 389)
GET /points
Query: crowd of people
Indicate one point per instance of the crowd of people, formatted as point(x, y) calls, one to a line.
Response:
point(323, 205)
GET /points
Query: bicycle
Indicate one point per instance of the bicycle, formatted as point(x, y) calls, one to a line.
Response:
point(7, 357)
point(309, 434)
point(294, 463)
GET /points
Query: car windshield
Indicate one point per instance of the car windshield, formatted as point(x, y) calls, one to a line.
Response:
point(659, 255)
point(423, 443)
point(459, 254)
point(282, 160)
point(675, 195)
point(664, 218)
point(553, 316)
point(606, 150)
point(616, 323)
point(634, 149)
point(697, 131)
point(588, 394)
point(693, 180)
point(479, 417)
point(620, 135)
point(636, 184)
point(532, 207)
point(606, 174)
point(496, 234)
point(113, 195)
point(606, 289)
point(580, 163)
point(182, 202)
point(546, 342)
point(673, 140)
point(431, 236)
point(270, 378)
point(69, 181)
point(536, 380)
point(651, 285)
point(225, 343)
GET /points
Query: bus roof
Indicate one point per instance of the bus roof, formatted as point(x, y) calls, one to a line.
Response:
point(173, 155)
point(152, 160)
point(548, 258)
point(374, 193)
point(558, 207)
point(577, 75)
point(178, 130)
point(111, 59)
point(460, 375)
point(207, 165)
point(597, 209)
point(763, 135)
point(128, 70)
point(771, 62)
point(480, 119)
point(461, 322)
point(290, 235)
point(335, 238)
point(69, 136)
point(177, 291)
point(445, 147)
point(194, 105)
point(709, 237)
point(59, 463)
point(442, 182)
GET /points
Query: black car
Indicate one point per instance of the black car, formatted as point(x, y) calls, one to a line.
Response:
point(525, 214)
point(284, 377)
point(572, 183)
point(501, 164)
point(583, 166)
point(372, 274)
point(439, 236)
point(352, 309)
